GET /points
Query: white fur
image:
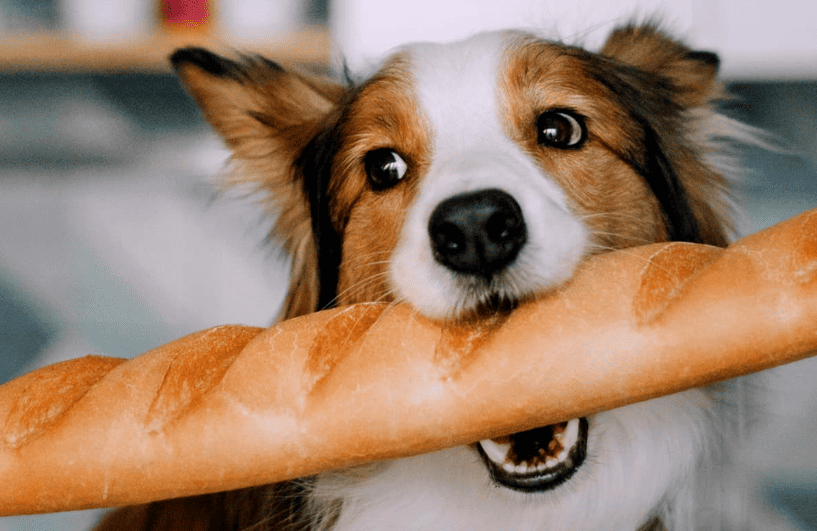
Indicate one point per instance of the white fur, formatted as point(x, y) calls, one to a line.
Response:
point(647, 460)
point(639, 457)
point(457, 90)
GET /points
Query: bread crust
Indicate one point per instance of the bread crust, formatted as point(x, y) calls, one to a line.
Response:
point(234, 407)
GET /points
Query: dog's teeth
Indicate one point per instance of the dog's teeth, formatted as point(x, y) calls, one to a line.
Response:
point(497, 452)
point(570, 435)
point(563, 440)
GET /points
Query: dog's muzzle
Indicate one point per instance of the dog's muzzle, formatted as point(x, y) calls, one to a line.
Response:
point(478, 235)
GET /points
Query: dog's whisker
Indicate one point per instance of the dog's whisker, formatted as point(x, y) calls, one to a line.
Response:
point(632, 252)
point(366, 256)
point(614, 215)
point(633, 241)
point(353, 292)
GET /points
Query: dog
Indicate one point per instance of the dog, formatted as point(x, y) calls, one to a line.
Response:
point(465, 178)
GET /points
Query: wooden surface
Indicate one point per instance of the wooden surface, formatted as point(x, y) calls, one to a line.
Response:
point(57, 52)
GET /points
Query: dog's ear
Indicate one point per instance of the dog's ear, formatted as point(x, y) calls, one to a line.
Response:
point(670, 88)
point(693, 73)
point(268, 116)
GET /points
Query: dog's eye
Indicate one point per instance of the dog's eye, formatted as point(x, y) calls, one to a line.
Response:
point(385, 168)
point(561, 129)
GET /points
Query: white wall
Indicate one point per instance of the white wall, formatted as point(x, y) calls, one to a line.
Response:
point(756, 38)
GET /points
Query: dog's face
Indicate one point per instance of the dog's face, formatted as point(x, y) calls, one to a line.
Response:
point(465, 178)
point(461, 176)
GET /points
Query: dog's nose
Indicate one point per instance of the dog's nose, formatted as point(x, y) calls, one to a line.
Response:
point(477, 233)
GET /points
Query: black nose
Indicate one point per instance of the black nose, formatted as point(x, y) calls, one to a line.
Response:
point(477, 233)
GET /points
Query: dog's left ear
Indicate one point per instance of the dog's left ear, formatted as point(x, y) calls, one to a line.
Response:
point(660, 79)
point(693, 73)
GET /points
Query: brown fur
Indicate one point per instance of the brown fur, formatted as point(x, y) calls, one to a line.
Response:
point(384, 114)
point(690, 78)
point(275, 507)
point(606, 192)
point(268, 116)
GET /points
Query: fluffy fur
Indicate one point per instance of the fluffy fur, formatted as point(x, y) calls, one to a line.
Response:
point(599, 151)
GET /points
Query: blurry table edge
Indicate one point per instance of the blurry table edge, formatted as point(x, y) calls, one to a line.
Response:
point(66, 53)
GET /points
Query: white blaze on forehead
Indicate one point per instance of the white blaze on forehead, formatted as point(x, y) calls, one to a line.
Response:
point(457, 88)
point(456, 85)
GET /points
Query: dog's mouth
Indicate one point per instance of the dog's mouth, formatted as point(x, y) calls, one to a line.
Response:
point(536, 460)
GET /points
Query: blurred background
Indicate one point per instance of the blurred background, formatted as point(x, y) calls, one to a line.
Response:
point(115, 238)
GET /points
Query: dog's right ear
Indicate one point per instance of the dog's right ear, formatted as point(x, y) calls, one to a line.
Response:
point(268, 116)
point(255, 99)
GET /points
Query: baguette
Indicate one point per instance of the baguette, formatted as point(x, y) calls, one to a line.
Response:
point(235, 406)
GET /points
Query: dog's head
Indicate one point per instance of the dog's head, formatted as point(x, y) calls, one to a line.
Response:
point(466, 177)
point(462, 176)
